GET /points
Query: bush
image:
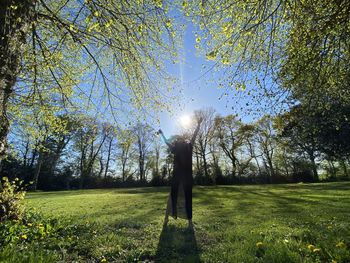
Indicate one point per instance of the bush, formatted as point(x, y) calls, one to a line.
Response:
point(11, 199)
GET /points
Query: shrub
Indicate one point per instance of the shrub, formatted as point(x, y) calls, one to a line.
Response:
point(11, 199)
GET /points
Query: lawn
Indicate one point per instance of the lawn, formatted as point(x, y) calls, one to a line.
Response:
point(263, 223)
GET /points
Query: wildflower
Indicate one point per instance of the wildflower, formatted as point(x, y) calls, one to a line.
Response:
point(29, 224)
point(341, 244)
point(259, 244)
point(316, 250)
point(24, 236)
point(311, 247)
point(103, 259)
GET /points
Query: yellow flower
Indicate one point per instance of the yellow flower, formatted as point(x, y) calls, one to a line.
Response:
point(334, 261)
point(103, 260)
point(341, 245)
point(29, 224)
point(24, 236)
point(259, 244)
point(311, 247)
point(316, 250)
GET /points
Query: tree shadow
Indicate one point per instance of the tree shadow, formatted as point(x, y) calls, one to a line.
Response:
point(177, 245)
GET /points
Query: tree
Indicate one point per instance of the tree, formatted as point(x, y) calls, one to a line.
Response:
point(124, 145)
point(301, 129)
point(89, 140)
point(302, 46)
point(144, 137)
point(204, 137)
point(266, 137)
point(226, 129)
point(110, 134)
point(48, 49)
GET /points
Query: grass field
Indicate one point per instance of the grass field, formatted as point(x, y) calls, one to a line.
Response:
point(268, 223)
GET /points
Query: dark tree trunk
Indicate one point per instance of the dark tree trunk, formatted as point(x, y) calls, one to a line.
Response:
point(108, 157)
point(13, 32)
point(37, 171)
point(141, 167)
point(314, 166)
point(205, 164)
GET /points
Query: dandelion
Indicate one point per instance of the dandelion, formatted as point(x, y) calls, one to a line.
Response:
point(341, 244)
point(311, 247)
point(103, 259)
point(24, 236)
point(29, 224)
point(259, 244)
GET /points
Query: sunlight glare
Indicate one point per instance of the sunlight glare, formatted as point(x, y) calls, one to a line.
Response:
point(185, 121)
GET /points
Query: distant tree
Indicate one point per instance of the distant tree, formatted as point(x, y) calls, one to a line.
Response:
point(204, 137)
point(144, 136)
point(125, 141)
point(110, 137)
point(266, 138)
point(226, 132)
point(88, 142)
point(314, 131)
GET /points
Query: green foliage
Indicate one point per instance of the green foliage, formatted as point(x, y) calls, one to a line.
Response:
point(11, 199)
point(301, 46)
point(91, 56)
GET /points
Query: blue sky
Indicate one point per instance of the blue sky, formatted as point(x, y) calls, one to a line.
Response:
point(199, 90)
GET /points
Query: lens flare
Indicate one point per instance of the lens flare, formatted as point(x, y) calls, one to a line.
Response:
point(185, 121)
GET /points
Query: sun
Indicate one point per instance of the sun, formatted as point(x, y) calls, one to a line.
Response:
point(185, 121)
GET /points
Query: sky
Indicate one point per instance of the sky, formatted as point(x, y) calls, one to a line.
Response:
point(200, 87)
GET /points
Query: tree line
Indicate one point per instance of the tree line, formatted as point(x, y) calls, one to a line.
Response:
point(290, 147)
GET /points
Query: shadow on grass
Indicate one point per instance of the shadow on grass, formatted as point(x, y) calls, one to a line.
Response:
point(177, 245)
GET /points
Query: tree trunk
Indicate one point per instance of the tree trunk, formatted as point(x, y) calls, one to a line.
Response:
point(16, 17)
point(108, 158)
point(234, 168)
point(13, 32)
point(123, 171)
point(141, 167)
point(314, 166)
point(205, 164)
point(37, 171)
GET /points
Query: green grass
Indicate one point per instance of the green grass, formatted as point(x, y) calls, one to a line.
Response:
point(125, 225)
